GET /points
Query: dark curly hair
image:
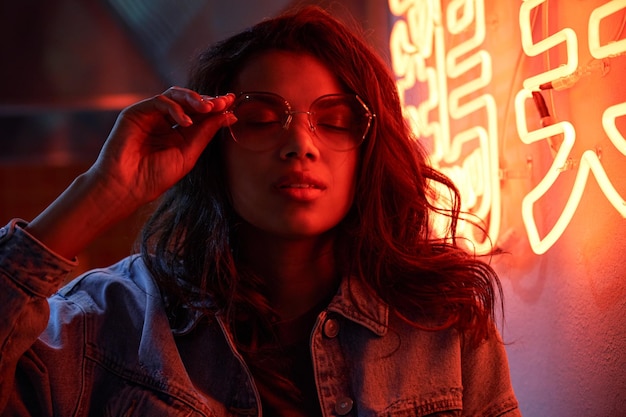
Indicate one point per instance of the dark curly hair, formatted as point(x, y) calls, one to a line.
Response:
point(189, 244)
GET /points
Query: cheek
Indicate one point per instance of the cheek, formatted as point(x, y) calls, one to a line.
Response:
point(347, 169)
point(345, 176)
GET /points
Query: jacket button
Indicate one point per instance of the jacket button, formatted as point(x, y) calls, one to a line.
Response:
point(331, 328)
point(343, 406)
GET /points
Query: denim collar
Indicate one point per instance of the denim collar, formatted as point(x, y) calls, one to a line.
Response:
point(358, 302)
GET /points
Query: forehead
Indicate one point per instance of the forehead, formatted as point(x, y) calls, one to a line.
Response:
point(298, 77)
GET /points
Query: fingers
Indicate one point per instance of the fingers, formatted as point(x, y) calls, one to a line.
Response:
point(194, 117)
point(182, 105)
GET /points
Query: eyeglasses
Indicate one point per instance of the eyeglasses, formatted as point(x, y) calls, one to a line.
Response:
point(339, 121)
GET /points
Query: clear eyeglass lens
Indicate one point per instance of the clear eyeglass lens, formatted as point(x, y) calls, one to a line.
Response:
point(340, 121)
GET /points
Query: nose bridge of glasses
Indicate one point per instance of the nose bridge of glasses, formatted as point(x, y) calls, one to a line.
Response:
point(290, 118)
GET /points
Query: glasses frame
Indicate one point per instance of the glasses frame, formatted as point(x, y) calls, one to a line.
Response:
point(290, 112)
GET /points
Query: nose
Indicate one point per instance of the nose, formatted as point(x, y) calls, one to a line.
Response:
point(299, 137)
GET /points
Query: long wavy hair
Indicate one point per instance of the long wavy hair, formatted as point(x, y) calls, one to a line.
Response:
point(189, 244)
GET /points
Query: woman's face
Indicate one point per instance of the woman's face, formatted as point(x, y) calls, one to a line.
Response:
point(301, 188)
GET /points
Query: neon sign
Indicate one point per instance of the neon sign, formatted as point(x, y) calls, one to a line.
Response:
point(419, 55)
point(589, 161)
point(454, 82)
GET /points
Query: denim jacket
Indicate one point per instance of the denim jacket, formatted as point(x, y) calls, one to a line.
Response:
point(102, 346)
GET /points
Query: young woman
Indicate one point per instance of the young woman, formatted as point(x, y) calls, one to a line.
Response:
point(290, 268)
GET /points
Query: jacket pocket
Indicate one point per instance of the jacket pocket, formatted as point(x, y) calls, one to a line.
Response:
point(439, 407)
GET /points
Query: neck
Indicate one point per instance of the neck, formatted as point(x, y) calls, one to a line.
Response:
point(300, 273)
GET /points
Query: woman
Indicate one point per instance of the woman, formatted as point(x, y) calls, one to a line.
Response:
point(289, 269)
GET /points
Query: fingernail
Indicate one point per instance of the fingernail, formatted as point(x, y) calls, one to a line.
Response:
point(230, 118)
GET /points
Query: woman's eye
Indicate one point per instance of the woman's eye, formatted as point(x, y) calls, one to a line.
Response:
point(258, 116)
point(336, 121)
point(261, 122)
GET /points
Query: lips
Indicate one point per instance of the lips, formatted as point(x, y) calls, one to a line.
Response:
point(299, 180)
point(298, 186)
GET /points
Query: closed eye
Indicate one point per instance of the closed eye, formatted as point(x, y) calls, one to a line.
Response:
point(336, 120)
point(257, 116)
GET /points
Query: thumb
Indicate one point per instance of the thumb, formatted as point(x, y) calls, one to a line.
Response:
point(201, 132)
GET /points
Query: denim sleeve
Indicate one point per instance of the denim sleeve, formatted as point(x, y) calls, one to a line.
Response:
point(29, 274)
point(487, 389)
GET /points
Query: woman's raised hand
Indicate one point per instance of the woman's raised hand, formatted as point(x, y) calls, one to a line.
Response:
point(153, 144)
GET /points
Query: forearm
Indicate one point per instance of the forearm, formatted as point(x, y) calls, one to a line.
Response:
point(85, 210)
